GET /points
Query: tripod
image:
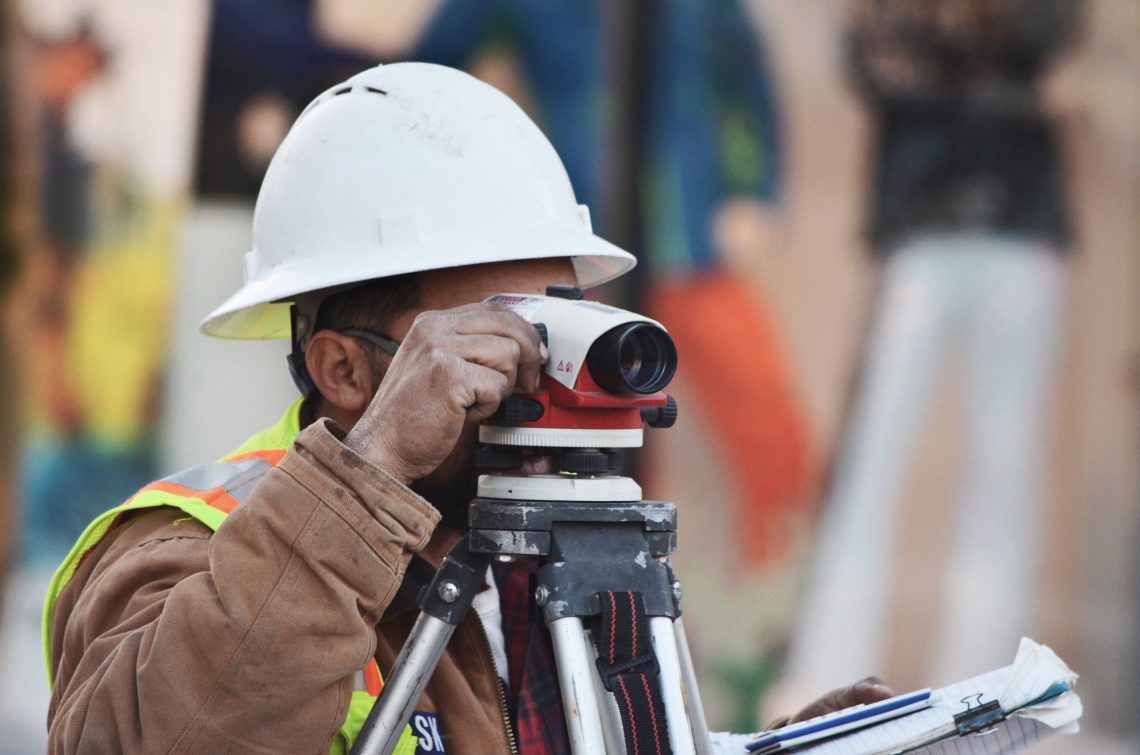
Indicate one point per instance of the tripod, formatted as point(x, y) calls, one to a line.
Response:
point(604, 575)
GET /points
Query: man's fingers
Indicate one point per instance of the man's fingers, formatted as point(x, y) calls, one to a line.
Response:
point(478, 333)
point(494, 352)
point(459, 364)
point(869, 690)
point(482, 390)
point(501, 354)
point(528, 377)
point(866, 691)
point(492, 319)
point(820, 707)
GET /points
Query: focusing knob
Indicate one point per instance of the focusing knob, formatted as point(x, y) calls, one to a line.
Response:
point(584, 461)
point(498, 458)
point(661, 416)
point(514, 411)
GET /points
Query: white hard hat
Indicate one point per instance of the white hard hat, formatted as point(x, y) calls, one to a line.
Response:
point(405, 168)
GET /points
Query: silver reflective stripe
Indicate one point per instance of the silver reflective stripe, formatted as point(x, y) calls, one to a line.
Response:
point(237, 478)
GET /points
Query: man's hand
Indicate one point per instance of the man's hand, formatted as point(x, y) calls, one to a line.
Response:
point(866, 691)
point(453, 367)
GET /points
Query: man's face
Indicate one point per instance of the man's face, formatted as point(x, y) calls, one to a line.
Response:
point(452, 485)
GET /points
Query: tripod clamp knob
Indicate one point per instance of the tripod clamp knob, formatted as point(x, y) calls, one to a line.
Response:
point(459, 578)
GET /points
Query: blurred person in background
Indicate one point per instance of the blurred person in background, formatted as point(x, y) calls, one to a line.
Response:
point(673, 102)
point(106, 102)
point(969, 226)
point(107, 198)
point(668, 117)
point(62, 453)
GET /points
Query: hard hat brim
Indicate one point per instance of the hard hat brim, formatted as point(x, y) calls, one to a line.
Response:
point(260, 310)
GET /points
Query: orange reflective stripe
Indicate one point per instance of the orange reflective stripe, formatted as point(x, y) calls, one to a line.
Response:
point(372, 681)
point(223, 484)
point(217, 497)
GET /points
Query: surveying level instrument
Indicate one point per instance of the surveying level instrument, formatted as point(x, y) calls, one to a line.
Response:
point(605, 585)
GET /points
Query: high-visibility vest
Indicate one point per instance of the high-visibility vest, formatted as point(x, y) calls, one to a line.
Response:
point(209, 493)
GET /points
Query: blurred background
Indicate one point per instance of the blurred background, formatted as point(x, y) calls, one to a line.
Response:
point(895, 240)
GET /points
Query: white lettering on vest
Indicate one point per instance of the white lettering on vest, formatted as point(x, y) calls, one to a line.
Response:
point(429, 739)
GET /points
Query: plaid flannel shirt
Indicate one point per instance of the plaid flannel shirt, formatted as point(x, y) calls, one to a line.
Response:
point(533, 695)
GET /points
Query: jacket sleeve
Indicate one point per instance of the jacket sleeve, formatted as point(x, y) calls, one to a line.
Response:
point(246, 641)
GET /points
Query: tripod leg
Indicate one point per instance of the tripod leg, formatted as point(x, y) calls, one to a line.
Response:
point(692, 694)
point(442, 606)
point(670, 679)
point(418, 658)
point(575, 678)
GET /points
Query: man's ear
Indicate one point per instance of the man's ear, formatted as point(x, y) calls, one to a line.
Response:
point(340, 370)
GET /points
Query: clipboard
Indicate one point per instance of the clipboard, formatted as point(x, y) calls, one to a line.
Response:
point(1000, 712)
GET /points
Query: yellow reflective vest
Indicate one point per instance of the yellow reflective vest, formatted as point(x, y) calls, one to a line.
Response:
point(209, 493)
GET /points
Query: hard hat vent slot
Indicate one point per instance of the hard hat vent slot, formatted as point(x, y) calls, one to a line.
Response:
point(337, 92)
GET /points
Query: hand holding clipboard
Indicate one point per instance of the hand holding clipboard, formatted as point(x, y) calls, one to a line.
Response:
point(840, 722)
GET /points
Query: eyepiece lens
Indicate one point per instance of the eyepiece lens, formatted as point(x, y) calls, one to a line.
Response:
point(633, 358)
point(630, 357)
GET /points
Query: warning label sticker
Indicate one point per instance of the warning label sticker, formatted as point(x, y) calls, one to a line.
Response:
point(523, 306)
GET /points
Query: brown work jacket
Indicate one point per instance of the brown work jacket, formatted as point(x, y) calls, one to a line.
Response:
point(173, 638)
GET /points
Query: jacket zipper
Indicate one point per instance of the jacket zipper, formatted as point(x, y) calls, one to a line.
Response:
point(503, 712)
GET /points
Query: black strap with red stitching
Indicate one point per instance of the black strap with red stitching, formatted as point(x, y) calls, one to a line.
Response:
point(629, 669)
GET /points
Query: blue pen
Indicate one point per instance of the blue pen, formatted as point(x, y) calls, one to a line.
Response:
point(840, 722)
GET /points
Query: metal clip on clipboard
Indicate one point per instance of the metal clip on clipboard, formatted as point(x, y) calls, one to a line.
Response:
point(978, 715)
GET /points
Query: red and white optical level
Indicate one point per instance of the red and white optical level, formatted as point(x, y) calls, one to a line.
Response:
point(602, 384)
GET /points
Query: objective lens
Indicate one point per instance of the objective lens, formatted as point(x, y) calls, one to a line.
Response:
point(637, 357)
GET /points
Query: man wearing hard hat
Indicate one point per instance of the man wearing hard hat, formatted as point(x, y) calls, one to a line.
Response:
point(249, 605)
